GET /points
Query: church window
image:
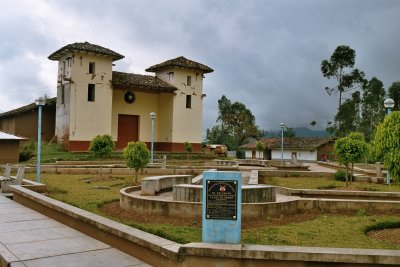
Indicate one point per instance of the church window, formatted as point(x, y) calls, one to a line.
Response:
point(188, 101)
point(91, 67)
point(91, 92)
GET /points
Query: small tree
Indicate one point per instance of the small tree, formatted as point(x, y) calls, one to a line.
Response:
point(260, 147)
point(188, 148)
point(101, 147)
point(136, 156)
point(349, 150)
point(387, 143)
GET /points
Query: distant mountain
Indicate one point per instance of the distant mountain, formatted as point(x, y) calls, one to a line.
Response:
point(301, 132)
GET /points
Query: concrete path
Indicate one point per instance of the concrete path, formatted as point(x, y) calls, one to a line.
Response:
point(28, 238)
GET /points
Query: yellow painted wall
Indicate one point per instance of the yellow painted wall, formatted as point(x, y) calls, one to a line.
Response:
point(186, 122)
point(144, 104)
point(88, 119)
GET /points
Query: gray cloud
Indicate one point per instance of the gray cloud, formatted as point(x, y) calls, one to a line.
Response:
point(266, 54)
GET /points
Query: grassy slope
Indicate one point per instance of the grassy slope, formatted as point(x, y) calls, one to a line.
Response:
point(324, 230)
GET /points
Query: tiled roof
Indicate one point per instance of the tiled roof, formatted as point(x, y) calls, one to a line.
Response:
point(302, 143)
point(180, 62)
point(85, 47)
point(122, 80)
point(29, 107)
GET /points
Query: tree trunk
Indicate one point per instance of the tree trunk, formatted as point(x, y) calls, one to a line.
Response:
point(347, 176)
point(101, 168)
point(352, 167)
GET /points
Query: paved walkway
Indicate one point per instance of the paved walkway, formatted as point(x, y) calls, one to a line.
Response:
point(28, 238)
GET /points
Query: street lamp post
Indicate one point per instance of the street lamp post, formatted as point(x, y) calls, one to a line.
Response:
point(153, 117)
point(282, 127)
point(40, 102)
point(389, 104)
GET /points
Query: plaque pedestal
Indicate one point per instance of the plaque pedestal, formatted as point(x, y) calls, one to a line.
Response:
point(222, 207)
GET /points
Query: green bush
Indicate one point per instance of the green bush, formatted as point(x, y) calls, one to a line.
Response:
point(27, 151)
point(340, 175)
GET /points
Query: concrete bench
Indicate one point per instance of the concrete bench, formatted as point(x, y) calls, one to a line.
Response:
point(254, 162)
point(12, 180)
point(223, 162)
point(155, 184)
point(250, 193)
point(7, 172)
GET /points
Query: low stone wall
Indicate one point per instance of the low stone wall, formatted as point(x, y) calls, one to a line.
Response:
point(254, 162)
point(158, 251)
point(282, 173)
point(250, 193)
point(156, 184)
point(315, 200)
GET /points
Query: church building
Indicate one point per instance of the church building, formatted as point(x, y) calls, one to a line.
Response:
point(92, 99)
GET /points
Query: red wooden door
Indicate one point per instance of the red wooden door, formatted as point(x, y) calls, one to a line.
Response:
point(128, 129)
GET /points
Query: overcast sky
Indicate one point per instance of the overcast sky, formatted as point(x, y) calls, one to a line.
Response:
point(266, 54)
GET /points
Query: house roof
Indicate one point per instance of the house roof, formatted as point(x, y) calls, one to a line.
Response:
point(85, 47)
point(123, 80)
point(26, 108)
point(301, 143)
point(7, 136)
point(180, 62)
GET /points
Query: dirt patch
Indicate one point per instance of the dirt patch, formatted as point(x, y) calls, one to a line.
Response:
point(390, 235)
point(113, 209)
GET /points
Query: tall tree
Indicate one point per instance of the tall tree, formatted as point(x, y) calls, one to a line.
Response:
point(348, 115)
point(372, 112)
point(237, 123)
point(341, 68)
point(289, 132)
point(394, 93)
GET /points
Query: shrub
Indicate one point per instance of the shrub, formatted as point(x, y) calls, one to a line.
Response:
point(136, 155)
point(101, 147)
point(340, 175)
point(27, 151)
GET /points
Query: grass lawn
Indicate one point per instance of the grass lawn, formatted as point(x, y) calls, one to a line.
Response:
point(325, 230)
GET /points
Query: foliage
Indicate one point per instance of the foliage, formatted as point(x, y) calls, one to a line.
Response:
point(348, 116)
point(260, 147)
point(387, 143)
point(289, 132)
point(349, 150)
point(236, 124)
point(313, 123)
point(341, 68)
point(101, 147)
point(188, 147)
point(394, 93)
point(340, 175)
point(27, 151)
point(372, 112)
point(136, 156)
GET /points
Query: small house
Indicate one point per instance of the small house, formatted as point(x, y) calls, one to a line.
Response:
point(302, 148)
point(9, 147)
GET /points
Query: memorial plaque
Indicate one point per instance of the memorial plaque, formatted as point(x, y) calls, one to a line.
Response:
point(221, 202)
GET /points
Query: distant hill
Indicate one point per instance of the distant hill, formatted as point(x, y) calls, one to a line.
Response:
point(301, 132)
